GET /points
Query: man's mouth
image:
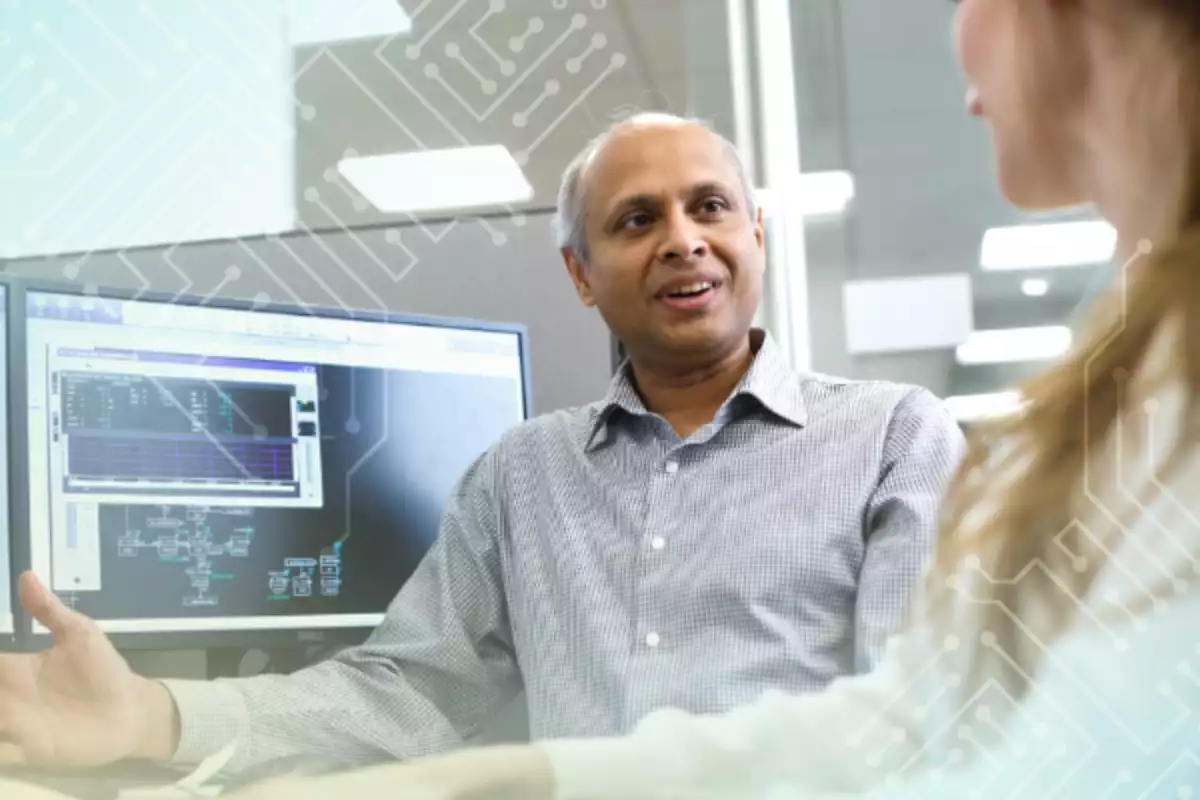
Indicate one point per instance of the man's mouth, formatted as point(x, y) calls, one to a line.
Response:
point(697, 289)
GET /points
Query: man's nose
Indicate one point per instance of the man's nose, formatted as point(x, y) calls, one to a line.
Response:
point(682, 242)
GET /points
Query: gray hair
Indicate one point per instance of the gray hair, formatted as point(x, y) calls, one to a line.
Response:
point(570, 216)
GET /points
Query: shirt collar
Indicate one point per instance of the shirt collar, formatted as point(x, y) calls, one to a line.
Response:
point(770, 380)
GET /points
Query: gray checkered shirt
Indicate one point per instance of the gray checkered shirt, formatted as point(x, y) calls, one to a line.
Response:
point(608, 568)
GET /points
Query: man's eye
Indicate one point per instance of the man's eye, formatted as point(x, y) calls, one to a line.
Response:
point(637, 220)
point(714, 205)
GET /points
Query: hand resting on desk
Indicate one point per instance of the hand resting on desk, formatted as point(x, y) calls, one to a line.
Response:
point(78, 703)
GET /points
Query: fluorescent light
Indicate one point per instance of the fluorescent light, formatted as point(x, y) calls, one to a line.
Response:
point(1014, 344)
point(430, 180)
point(1057, 244)
point(1035, 287)
point(976, 407)
point(312, 22)
point(817, 194)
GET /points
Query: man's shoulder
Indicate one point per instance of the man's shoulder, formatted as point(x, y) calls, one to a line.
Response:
point(870, 398)
point(563, 429)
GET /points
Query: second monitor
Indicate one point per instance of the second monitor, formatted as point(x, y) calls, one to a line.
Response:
point(218, 473)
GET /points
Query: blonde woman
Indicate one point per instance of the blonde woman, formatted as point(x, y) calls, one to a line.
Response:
point(1055, 648)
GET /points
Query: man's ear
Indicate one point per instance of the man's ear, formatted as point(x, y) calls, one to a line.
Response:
point(759, 235)
point(578, 272)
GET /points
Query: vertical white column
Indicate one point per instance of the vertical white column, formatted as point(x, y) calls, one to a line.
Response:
point(785, 293)
point(738, 32)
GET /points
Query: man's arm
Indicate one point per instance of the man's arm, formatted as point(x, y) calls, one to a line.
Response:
point(440, 663)
point(923, 448)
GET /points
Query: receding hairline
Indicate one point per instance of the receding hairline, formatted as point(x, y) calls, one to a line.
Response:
point(571, 211)
point(642, 124)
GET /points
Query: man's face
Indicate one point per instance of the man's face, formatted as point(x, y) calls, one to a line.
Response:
point(675, 259)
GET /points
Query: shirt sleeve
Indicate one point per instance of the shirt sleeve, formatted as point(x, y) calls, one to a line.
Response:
point(923, 449)
point(440, 664)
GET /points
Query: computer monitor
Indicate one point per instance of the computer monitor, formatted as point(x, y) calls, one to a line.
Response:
point(221, 476)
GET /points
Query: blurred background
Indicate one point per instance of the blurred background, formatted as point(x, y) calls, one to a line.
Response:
point(370, 154)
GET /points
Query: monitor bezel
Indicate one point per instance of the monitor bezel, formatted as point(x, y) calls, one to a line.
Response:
point(319, 637)
point(18, 546)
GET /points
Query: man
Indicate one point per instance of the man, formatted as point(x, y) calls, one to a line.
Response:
point(718, 525)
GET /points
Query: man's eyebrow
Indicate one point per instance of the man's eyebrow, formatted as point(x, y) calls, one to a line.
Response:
point(713, 187)
point(635, 201)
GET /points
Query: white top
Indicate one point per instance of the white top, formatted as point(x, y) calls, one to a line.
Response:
point(1114, 711)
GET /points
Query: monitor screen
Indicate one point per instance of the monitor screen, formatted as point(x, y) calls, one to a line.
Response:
point(200, 469)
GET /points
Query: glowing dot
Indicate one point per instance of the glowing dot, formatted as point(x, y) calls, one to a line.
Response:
point(432, 71)
point(987, 639)
point(951, 643)
point(578, 21)
point(392, 236)
point(573, 66)
point(311, 194)
point(519, 120)
point(496, 6)
point(521, 157)
point(452, 50)
point(233, 272)
point(618, 60)
point(330, 175)
point(537, 24)
point(308, 113)
point(553, 88)
point(516, 44)
point(413, 52)
point(599, 40)
point(488, 87)
point(353, 426)
point(508, 68)
point(1145, 247)
point(983, 714)
point(262, 299)
point(499, 239)
point(71, 271)
point(349, 152)
point(360, 204)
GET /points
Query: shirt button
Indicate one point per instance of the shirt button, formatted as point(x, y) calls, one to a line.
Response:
point(658, 543)
point(652, 639)
point(671, 467)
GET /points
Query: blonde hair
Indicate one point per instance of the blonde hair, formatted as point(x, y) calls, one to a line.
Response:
point(1022, 482)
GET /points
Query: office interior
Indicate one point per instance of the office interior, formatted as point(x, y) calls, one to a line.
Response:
point(223, 153)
